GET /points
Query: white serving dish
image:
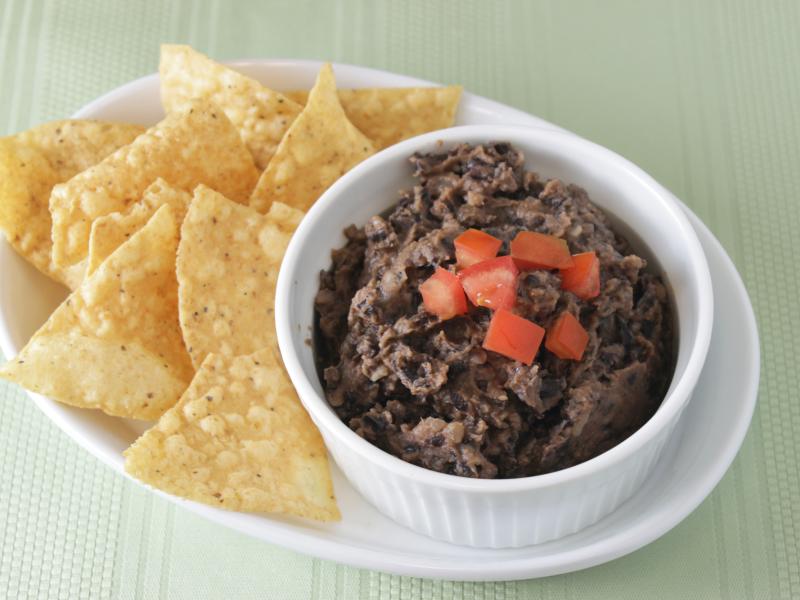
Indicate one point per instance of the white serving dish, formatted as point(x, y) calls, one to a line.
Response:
point(697, 456)
point(510, 512)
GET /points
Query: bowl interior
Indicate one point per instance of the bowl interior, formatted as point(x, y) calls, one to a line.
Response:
point(634, 202)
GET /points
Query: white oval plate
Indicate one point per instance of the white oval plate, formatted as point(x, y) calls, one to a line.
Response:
point(712, 429)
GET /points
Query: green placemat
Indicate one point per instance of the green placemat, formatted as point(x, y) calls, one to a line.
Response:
point(703, 95)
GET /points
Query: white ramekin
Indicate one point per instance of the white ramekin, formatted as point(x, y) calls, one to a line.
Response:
point(504, 512)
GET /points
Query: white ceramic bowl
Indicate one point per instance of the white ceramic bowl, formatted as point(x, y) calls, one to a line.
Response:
point(511, 512)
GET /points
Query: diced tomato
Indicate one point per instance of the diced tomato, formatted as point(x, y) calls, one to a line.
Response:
point(583, 278)
point(442, 294)
point(491, 283)
point(567, 338)
point(532, 250)
point(513, 336)
point(474, 246)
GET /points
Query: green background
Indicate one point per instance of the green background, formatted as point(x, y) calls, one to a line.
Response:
point(702, 94)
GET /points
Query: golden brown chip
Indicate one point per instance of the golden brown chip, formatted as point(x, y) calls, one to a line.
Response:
point(228, 261)
point(31, 163)
point(320, 146)
point(73, 146)
point(239, 439)
point(261, 115)
point(189, 147)
point(115, 343)
point(111, 231)
point(390, 115)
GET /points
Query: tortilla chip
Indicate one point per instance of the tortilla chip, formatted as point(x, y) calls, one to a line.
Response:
point(111, 231)
point(239, 439)
point(390, 115)
point(73, 146)
point(261, 115)
point(320, 146)
point(31, 163)
point(115, 343)
point(197, 145)
point(228, 261)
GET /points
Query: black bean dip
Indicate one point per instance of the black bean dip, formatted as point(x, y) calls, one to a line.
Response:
point(425, 390)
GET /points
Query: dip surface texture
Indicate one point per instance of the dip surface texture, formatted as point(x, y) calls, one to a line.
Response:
point(426, 390)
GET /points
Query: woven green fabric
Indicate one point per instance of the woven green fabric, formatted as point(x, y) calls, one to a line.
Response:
point(703, 95)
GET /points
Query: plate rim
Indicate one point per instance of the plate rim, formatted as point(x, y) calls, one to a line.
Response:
point(329, 548)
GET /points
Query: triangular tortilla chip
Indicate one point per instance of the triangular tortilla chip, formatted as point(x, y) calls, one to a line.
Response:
point(261, 115)
point(74, 145)
point(390, 115)
point(228, 262)
point(189, 147)
point(320, 146)
point(31, 163)
point(239, 439)
point(111, 231)
point(115, 343)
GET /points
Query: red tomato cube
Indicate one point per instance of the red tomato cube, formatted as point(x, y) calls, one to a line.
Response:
point(491, 283)
point(583, 278)
point(442, 295)
point(513, 336)
point(474, 246)
point(566, 338)
point(532, 250)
